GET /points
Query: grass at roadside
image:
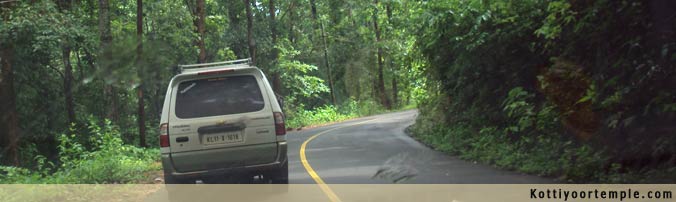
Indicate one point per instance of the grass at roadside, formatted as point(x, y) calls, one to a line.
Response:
point(322, 115)
point(101, 158)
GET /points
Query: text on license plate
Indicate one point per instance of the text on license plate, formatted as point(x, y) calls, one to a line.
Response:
point(224, 138)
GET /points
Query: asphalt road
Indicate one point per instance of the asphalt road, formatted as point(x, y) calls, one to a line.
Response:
point(369, 150)
point(376, 150)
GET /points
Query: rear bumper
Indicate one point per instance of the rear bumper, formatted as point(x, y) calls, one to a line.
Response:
point(280, 161)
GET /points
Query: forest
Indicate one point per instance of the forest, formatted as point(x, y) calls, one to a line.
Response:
point(580, 91)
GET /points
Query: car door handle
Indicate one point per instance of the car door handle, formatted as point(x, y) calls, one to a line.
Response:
point(182, 139)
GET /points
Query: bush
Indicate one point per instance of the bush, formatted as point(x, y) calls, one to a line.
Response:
point(325, 114)
point(587, 86)
point(297, 116)
point(528, 142)
point(107, 161)
point(540, 155)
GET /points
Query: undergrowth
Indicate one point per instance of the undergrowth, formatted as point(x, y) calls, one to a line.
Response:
point(92, 157)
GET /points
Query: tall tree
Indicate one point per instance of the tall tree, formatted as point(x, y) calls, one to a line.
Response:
point(201, 29)
point(66, 50)
point(380, 85)
point(291, 11)
point(395, 90)
point(68, 81)
point(313, 8)
point(9, 120)
point(8, 115)
point(276, 82)
point(139, 53)
point(239, 47)
point(106, 40)
point(393, 66)
point(249, 31)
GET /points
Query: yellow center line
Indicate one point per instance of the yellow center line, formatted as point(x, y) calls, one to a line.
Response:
point(303, 159)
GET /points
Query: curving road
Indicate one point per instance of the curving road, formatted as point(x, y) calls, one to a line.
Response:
point(369, 150)
point(376, 150)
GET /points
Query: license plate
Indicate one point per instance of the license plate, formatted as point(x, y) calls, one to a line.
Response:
point(223, 138)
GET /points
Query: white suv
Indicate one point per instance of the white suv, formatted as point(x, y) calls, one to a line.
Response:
point(219, 120)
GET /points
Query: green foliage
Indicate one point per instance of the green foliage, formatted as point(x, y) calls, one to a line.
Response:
point(479, 67)
point(542, 155)
point(475, 52)
point(529, 142)
point(300, 117)
point(325, 114)
point(37, 33)
point(518, 83)
point(108, 161)
point(518, 109)
point(297, 75)
point(560, 15)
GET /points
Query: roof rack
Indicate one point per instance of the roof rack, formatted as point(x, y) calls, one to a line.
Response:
point(202, 65)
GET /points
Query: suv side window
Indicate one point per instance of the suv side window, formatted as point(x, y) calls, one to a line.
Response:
point(218, 96)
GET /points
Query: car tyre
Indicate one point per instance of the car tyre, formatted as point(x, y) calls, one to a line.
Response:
point(281, 176)
point(168, 179)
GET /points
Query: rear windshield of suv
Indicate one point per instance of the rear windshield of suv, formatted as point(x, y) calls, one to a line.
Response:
point(218, 96)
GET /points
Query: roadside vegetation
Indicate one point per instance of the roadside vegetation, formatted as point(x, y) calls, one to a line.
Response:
point(66, 63)
point(582, 91)
point(91, 154)
point(327, 114)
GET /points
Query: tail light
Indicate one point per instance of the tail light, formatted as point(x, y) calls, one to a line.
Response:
point(280, 128)
point(164, 135)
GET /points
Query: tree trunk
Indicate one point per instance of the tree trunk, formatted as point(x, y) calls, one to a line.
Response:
point(358, 89)
point(239, 47)
point(276, 81)
point(393, 67)
point(66, 51)
point(374, 90)
point(80, 67)
point(327, 64)
point(139, 53)
point(395, 91)
point(384, 100)
point(233, 14)
point(388, 11)
point(68, 82)
point(106, 40)
point(198, 16)
point(292, 17)
point(408, 98)
point(325, 49)
point(201, 29)
point(9, 121)
point(249, 31)
point(351, 15)
point(313, 10)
